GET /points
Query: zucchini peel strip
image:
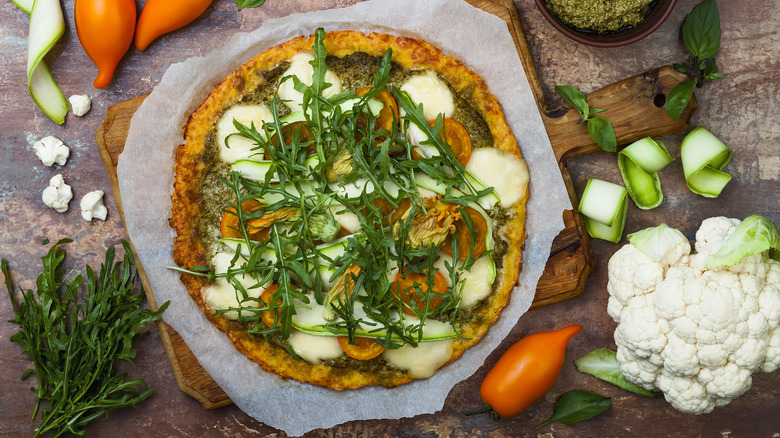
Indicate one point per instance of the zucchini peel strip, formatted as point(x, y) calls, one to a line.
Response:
point(703, 156)
point(604, 206)
point(639, 164)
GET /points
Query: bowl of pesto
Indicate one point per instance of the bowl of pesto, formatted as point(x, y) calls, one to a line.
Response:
point(606, 23)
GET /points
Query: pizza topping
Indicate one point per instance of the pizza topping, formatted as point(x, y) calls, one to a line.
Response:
point(341, 292)
point(315, 349)
point(339, 166)
point(456, 137)
point(429, 225)
point(429, 90)
point(421, 361)
point(301, 68)
point(504, 172)
point(233, 147)
point(419, 292)
point(471, 235)
point(230, 293)
point(361, 348)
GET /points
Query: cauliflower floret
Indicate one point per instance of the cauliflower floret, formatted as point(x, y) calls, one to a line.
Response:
point(58, 194)
point(80, 104)
point(92, 206)
point(51, 150)
point(696, 334)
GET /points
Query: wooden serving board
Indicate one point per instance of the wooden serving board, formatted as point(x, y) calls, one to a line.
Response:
point(634, 112)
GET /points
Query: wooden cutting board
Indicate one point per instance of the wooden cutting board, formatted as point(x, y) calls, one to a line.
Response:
point(635, 110)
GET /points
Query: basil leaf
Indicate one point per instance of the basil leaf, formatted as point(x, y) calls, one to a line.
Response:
point(701, 30)
point(709, 69)
point(577, 405)
point(594, 111)
point(678, 98)
point(601, 132)
point(682, 68)
point(575, 98)
point(603, 364)
point(248, 3)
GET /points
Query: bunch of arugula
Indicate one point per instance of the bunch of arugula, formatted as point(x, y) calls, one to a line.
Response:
point(378, 156)
point(701, 34)
point(75, 347)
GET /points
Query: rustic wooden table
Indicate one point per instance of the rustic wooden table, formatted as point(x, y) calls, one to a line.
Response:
point(742, 109)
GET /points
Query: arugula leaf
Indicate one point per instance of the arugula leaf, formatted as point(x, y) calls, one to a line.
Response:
point(248, 3)
point(602, 363)
point(577, 405)
point(678, 97)
point(701, 30)
point(75, 347)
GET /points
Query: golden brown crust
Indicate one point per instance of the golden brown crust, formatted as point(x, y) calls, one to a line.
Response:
point(189, 251)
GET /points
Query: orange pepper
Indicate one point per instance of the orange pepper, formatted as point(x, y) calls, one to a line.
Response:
point(526, 371)
point(105, 29)
point(162, 16)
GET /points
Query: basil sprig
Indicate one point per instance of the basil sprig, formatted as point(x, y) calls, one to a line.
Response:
point(701, 35)
point(248, 3)
point(599, 128)
point(577, 405)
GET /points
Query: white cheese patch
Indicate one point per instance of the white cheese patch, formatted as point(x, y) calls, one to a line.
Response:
point(503, 171)
point(422, 361)
point(92, 206)
point(346, 218)
point(58, 194)
point(475, 283)
point(239, 147)
point(432, 92)
point(315, 349)
point(51, 150)
point(222, 295)
point(301, 68)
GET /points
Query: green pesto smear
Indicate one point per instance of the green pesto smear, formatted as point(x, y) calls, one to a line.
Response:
point(600, 15)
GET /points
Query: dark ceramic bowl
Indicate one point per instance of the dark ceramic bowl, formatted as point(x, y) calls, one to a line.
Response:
point(658, 12)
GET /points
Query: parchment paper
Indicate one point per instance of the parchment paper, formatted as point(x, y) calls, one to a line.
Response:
point(484, 44)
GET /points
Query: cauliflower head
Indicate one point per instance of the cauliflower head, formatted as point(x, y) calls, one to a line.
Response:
point(696, 333)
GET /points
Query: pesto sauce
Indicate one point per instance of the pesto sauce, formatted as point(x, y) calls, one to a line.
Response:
point(600, 15)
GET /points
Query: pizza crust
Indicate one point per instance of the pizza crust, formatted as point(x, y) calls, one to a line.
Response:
point(189, 250)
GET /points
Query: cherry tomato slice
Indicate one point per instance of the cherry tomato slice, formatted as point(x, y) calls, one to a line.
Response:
point(456, 136)
point(464, 237)
point(366, 348)
point(229, 223)
point(405, 287)
point(270, 316)
point(389, 113)
point(289, 132)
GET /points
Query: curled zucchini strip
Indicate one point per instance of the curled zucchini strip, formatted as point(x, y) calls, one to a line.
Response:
point(46, 27)
point(604, 206)
point(703, 157)
point(639, 164)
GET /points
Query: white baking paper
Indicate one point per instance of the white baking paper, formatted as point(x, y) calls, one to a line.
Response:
point(484, 44)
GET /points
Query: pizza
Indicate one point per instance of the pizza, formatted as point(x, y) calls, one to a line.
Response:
point(349, 209)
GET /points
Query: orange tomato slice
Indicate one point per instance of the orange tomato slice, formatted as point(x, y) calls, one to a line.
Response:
point(366, 348)
point(464, 237)
point(456, 136)
point(389, 113)
point(405, 287)
point(270, 316)
point(229, 223)
point(304, 133)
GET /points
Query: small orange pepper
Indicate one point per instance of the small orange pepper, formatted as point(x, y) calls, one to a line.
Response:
point(162, 16)
point(105, 29)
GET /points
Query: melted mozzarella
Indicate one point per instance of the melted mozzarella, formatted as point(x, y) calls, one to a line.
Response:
point(346, 218)
point(422, 361)
point(222, 295)
point(314, 349)
point(476, 284)
point(503, 171)
point(239, 147)
point(428, 89)
point(301, 68)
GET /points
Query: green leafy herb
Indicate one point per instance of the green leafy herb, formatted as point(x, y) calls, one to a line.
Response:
point(701, 35)
point(248, 3)
point(75, 347)
point(577, 405)
point(603, 364)
point(599, 128)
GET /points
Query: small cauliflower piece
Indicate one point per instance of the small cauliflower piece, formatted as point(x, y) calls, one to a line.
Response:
point(58, 194)
point(92, 206)
point(696, 334)
point(80, 104)
point(51, 150)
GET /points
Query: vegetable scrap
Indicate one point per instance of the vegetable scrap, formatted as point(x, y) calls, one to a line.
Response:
point(577, 405)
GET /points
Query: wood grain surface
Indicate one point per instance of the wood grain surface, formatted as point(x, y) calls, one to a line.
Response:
point(740, 108)
point(636, 116)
